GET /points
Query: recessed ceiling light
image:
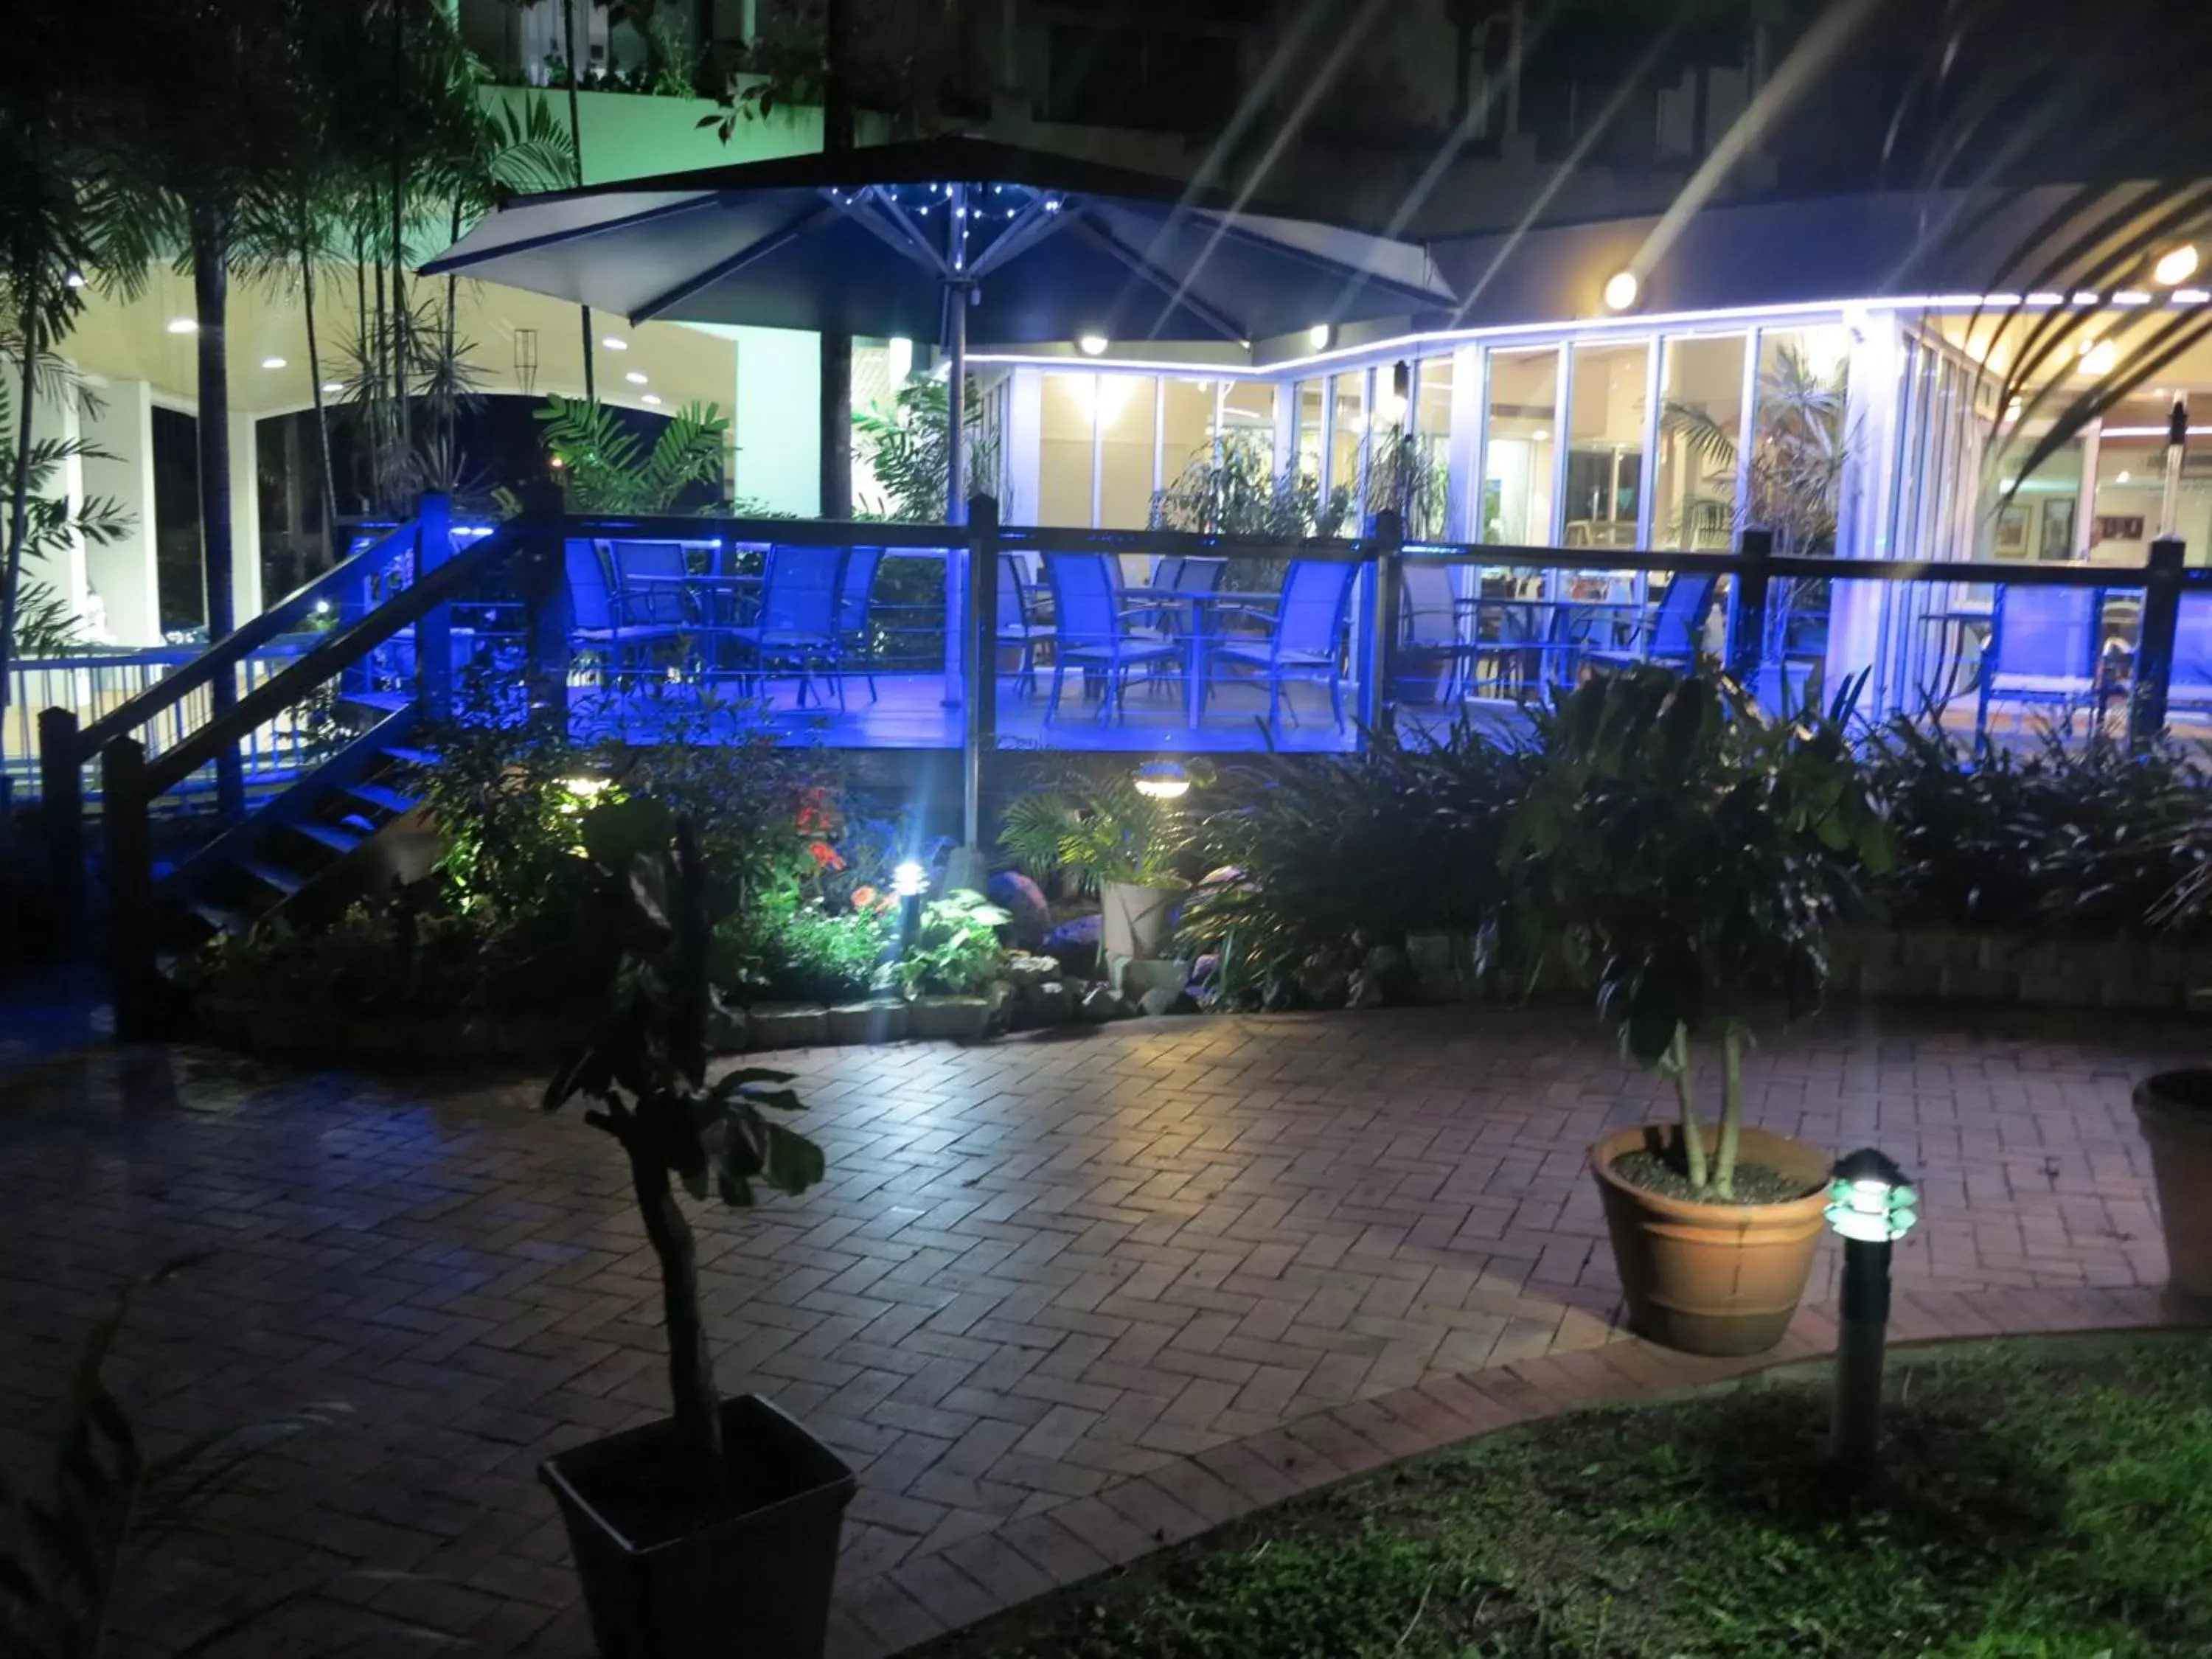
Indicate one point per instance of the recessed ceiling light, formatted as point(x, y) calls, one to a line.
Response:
point(75, 279)
point(183, 326)
point(2176, 265)
point(332, 385)
point(615, 343)
point(2123, 478)
point(635, 378)
point(1541, 434)
point(272, 362)
point(650, 398)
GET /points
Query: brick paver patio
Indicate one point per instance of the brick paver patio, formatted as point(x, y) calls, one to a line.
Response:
point(1057, 1301)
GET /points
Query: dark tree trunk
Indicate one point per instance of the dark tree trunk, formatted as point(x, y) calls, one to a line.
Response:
point(19, 510)
point(576, 149)
point(211, 234)
point(322, 410)
point(836, 434)
point(690, 1366)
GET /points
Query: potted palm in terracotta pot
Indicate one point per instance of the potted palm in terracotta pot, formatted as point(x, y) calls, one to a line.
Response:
point(1685, 852)
point(713, 1533)
point(1110, 831)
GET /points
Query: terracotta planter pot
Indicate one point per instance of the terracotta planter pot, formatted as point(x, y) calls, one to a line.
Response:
point(747, 1585)
point(1135, 921)
point(1712, 1279)
point(2174, 1109)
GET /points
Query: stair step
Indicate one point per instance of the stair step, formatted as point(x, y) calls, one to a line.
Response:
point(286, 882)
point(337, 838)
point(407, 757)
point(221, 917)
point(382, 797)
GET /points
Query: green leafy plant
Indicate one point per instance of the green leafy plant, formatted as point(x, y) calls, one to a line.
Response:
point(1238, 491)
point(1094, 827)
point(1691, 851)
point(955, 950)
point(1406, 475)
point(645, 1067)
point(40, 620)
point(67, 1554)
point(795, 947)
point(605, 467)
point(1330, 857)
point(905, 447)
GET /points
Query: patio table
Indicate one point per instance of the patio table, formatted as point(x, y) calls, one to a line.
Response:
point(1199, 636)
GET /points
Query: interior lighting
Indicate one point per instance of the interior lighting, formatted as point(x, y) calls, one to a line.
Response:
point(615, 343)
point(1621, 290)
point(1163, 780)
point(1091, 345)
point(650, 399)
point(75, 279)
point(1541, 435)
point(635, 378)
point(1318, 337)
point(330, 386)
point(2099, 358)
point(183, 326)
point(2122, 476)
point(2131, 296)
point(2175, 266)
point(272, 362)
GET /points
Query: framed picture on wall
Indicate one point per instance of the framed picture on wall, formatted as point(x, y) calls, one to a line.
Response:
point(2057, 538)
point(2012, 530)
point(2119, 526)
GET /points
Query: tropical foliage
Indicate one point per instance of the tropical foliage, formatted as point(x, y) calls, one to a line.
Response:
point(1092, 825)
point(905, 446)
point(1689, 853)
point(1238, 492)
point(604, 467)
point(42, 622)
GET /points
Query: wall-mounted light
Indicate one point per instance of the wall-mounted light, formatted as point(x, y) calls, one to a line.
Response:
point(1319, 335)
point(1163, 780)
point(1621, 290)
point(272, 362)
point(1091, 345)
point(2175, 266)
point(183, 326)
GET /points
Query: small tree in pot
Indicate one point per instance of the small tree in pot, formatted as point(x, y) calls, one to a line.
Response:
point(1688, 853)
point(728, 1504)
point(1109, 836)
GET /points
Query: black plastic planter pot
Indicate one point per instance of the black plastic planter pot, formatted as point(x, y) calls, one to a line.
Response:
point(754, 1584)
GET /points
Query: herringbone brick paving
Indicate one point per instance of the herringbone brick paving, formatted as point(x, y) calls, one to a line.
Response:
point(1057, 1301)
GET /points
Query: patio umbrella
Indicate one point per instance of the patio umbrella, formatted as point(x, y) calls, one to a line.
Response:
point(945, 237)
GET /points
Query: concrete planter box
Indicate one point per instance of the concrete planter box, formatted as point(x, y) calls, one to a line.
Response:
point(868, 1022)
point(788, 1024)
point(2140, 975)
point(961, 1019)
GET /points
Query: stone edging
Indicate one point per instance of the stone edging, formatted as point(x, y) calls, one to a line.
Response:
point(925, 1596)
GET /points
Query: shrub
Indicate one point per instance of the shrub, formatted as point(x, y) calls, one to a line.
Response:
point(955, 950)
point(797, 949)
point(1332, 856)
point(1095, 828)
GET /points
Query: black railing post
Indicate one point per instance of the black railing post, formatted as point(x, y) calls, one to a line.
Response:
point(2161, 614)
point(433, 634)
point(1378, 690)
point(61, 812)
point(546, 603)
point(135, 975)
point(980, 661)
point(1746, 632)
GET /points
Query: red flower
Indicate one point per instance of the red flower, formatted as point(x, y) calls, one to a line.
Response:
point(825, 855)
point(864, 896)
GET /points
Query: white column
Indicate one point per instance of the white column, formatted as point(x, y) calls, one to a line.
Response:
point(245, 517)
point(125, 573)
point(1469, 406)
point(1023, 463)
point(773, 421)
point(1857, 610)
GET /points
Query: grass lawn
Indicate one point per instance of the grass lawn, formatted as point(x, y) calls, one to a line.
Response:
point(2052, 1502)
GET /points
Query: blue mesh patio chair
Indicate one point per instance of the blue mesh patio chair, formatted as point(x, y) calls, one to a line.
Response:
point(1020, 629)
point(597, 617)
point(1092, 630)
point(660, 597)
point(1672, 631)
point(856, 629)
point(1429, 630)
point(1303, 639)
point(801, 598)
point(2043, 647)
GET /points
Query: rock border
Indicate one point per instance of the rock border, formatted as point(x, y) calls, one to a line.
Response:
point(920, 1599)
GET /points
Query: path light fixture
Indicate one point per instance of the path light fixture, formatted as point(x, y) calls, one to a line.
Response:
point(1163, 780)
point(910, 881)
point(1870, 1207)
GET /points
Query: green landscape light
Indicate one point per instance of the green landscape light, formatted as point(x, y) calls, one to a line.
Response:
point(1870, 1205)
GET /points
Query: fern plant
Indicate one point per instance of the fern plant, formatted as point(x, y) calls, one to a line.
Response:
point(905, 446)
point(605, 467)
point(1095, 829)
point(39, 618)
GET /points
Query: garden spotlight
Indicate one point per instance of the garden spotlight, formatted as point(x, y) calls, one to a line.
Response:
point(1870, 1207)
point(910, 881)
point(1163, 780)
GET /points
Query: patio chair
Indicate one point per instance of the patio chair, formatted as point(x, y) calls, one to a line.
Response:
point(802, 599)
point(1672, 632)
point(597, 617)
point(662, 598)
point(2190, 685)
point(855, 621)
point(1093, 631)
point(1429, 630)
point(2043, 647)
point(1019, 627)
point(1302, 639)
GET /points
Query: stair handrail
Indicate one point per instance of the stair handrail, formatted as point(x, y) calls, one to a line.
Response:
point(342, 649)
point(248, 637)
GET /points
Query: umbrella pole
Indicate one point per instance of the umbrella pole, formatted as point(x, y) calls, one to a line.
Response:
point(971, 869)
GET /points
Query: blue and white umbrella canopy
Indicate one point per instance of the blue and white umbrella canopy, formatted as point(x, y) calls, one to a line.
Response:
point(891, 239)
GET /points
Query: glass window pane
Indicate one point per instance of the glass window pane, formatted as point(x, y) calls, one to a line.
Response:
point(1700, 436)
point(1517, 459)
point(1186, 427)
point(1605, 444)
point(1432, 397)
point(1799, 441)
point(2130, 484)
point(1348, 432)
point(1064, 449)
point(1126, 406)
point(2036, 520)
point(1308, 431)
point(1248, 406)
